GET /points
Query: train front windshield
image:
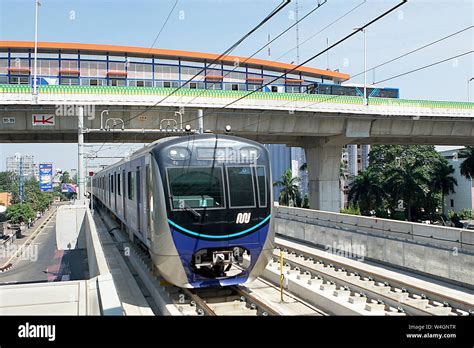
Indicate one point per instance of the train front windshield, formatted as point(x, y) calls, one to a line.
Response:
point(196, 187)
point(204, 187)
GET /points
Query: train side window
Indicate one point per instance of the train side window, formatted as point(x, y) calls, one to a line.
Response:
point(119, 182)
point(274, 89)
point(131, 185)
point(241, 186)
point(262, 186)
point(112, 183)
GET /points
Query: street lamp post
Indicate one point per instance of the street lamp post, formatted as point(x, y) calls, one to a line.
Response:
point(365, 69)
point(35, 91)
point(469, 88)
point(365, 65)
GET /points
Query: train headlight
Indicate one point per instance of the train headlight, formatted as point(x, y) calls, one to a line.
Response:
point(179, 153)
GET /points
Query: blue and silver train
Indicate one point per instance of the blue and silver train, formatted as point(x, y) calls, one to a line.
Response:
point(199, 203)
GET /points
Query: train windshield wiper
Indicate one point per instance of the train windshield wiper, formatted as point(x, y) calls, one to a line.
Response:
point(190, 210)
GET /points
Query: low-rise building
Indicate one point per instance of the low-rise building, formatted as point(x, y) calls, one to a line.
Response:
point(463, 197)
point(5, 199)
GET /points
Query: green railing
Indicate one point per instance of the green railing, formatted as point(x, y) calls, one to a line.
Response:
point(186, 92)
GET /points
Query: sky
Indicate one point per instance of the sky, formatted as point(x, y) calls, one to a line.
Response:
point(214, 25)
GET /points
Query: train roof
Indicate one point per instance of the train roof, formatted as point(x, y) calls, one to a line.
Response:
point(166, 141)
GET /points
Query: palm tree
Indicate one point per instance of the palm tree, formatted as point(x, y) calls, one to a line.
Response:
point(290, 190)
point(408, 182)
point(467, 166)
point(366, 191)
point(442, 180)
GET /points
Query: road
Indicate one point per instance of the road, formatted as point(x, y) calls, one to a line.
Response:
point(42, 261)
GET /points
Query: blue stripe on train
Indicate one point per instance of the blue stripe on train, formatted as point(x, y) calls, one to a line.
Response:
point(186, 245)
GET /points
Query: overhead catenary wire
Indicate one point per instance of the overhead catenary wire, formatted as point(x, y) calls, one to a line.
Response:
point(323, 29)
point(394, 59)
point(164, 25)
point(217, 59)
point(415, 50)
point(382, 64)
point(361, 28)
point(262, 48)
point(384, 80)
point(156, 39)
point(425, 66)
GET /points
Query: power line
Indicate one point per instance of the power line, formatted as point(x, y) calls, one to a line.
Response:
point(225, 53)
point(164, 24)
point(262, 48)
point(415, 50)
point(320, 31)
point(156, 38)
point(311, 58)
point(391, 78)
point(391, 61)
point(425, 66)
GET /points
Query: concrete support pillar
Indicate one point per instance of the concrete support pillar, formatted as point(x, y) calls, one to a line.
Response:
point(323, 173)
point(353, 159)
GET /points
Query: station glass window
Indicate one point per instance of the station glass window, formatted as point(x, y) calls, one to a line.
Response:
point(69, 81)
point(19, 80)
point(116, 82)
point(93, 82)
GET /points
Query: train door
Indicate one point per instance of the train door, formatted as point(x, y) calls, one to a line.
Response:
point(109, 193)
point(124, 194)
point(138, 198)
point(114, 181)
point(149, 201)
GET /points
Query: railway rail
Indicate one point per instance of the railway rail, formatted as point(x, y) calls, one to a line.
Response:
point(232, 300)
point(374, 290)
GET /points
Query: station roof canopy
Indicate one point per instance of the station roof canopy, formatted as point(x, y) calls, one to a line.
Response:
point(95, 49)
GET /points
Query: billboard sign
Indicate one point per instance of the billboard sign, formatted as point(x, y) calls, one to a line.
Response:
point(46, 177)
point(68, 188)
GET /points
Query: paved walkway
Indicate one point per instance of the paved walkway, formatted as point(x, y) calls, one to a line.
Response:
point(8, 248)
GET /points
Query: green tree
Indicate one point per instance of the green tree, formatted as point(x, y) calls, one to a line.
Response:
point(39, 201)
point(391, 162)
point(66, 178)
point(408, 182)
point(467, 166)
point(442, 180)
point(365, 191)
point(8, 182)
point(20, 213)
point(290, 191)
